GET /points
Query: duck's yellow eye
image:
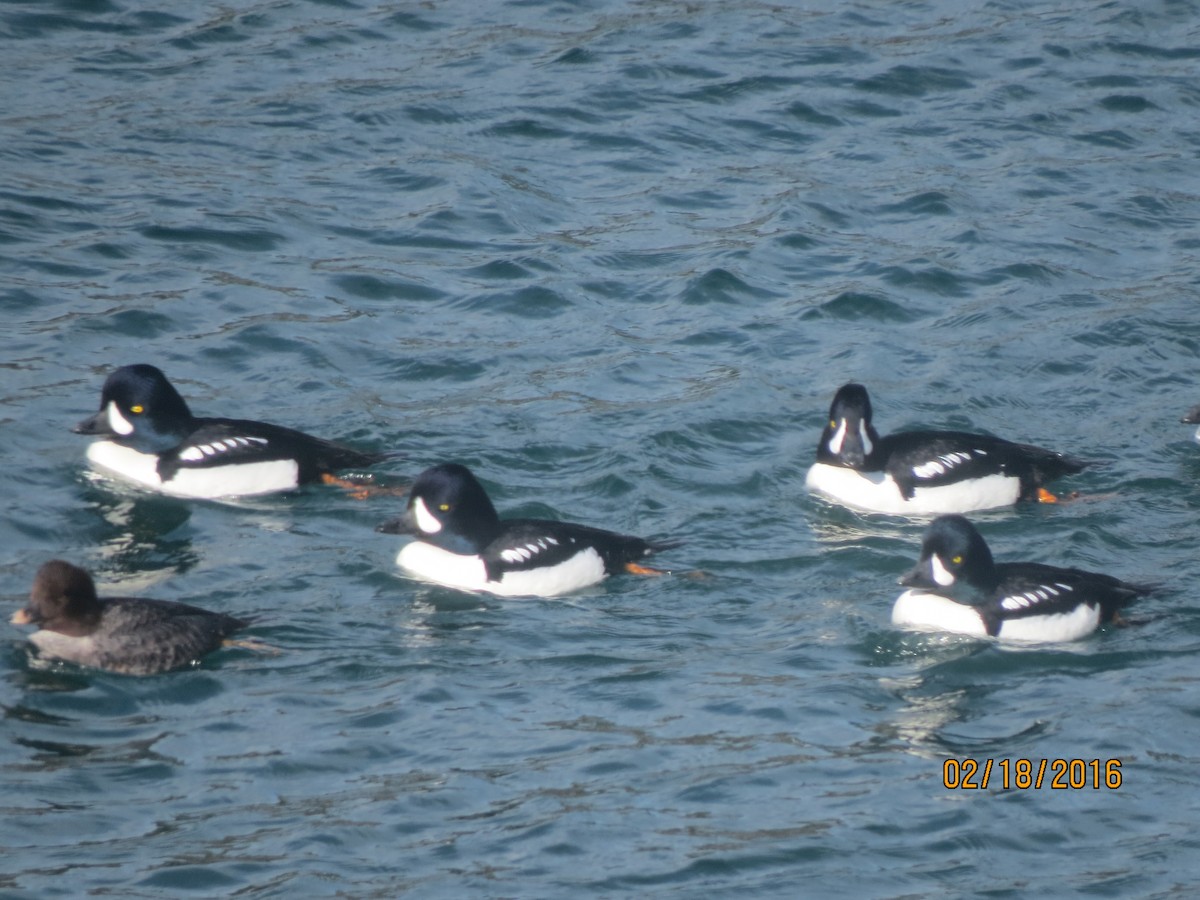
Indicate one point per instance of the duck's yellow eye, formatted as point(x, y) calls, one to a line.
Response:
point(833, 423)
point(957, 560)
point(444, 507)
point(137, 410)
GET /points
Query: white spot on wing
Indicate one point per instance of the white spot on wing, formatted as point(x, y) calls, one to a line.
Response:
point(521, 554)
point(197, 452)
point(944, 463)
point(1030, 597)
point(1015, 602)
point(929, 469)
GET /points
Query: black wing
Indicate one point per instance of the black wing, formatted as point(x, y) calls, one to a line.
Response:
point(532, 543)
point(933, 458)
point(139, 636)
point(1032, 589)
point(218, 442)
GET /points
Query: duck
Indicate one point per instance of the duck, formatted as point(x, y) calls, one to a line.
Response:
point(126, 635)
point(1192, 417)
point(461, 542)
point(150, 437)
point(925, 472)
point(957, 587)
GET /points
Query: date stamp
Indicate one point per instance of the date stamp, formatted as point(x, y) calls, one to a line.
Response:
point(969, 774)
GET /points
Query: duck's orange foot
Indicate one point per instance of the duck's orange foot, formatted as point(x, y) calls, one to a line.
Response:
point(363, 486)
point(251, 644)
point(1044, 496)
point(635, 569)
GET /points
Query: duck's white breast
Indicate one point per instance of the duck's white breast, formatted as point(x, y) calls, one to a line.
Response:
point(923, 611)
point(430, 563)
point(81, 650)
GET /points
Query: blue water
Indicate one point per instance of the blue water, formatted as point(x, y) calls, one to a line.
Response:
point(617, 257)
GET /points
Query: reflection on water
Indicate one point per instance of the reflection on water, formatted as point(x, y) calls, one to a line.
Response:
point(143, 539)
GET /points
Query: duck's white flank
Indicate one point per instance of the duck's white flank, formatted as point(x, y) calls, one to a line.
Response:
point(238, 480)
point(922, 611)
point(878, 492)
point(430, 563)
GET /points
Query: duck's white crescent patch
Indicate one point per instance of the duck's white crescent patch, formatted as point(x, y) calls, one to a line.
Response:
point(866, 438)
point(118, 422)
point(941, 575)
point(426, 520)
point(839, 438)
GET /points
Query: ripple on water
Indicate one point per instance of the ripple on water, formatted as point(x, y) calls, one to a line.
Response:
point(617, 258)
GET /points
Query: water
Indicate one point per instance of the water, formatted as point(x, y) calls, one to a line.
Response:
point(617, 257)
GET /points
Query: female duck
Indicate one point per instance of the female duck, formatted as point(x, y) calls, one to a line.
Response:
point(128, 635)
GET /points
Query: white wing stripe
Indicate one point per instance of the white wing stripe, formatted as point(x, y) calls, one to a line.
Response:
point(529, 551)
point(945, 462)
point(197, 452)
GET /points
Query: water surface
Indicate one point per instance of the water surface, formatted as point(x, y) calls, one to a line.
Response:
point(617, 257)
